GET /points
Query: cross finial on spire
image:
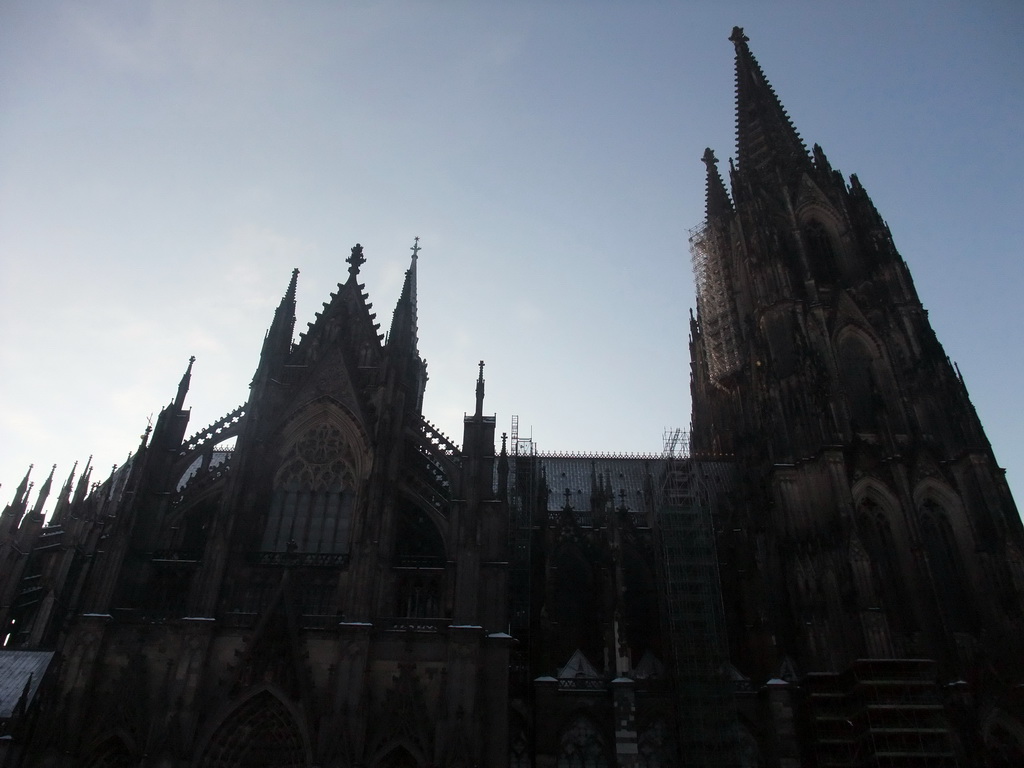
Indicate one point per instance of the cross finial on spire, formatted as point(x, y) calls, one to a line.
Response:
point(737, 36)
point(415, 248)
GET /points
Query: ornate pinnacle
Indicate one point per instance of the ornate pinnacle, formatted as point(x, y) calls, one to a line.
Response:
point(415, 248)
point(356, 260)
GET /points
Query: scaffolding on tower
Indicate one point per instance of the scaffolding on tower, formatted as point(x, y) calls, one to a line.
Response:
point(715, 308)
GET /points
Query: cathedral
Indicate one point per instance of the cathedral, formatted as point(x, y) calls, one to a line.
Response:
point(828, 570)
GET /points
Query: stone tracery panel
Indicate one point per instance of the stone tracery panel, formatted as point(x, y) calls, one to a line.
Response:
point(314, 493)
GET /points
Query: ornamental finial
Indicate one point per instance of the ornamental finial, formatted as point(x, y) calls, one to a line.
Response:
point(415, 248)
point(356, 260)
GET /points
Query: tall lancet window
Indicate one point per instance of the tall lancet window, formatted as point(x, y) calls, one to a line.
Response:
point(856, 370)
point(946, 568)
point(314, 490)
point(821, 253)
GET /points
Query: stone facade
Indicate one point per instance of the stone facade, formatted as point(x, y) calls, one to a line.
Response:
point(831, 575)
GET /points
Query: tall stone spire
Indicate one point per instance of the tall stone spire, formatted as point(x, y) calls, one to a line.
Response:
point(480, 391)
point(64, 498)
point(21, 492)
point(183, 385)
point(765, 135)
point(44, 492)
point(404, 324)
point(279, 337)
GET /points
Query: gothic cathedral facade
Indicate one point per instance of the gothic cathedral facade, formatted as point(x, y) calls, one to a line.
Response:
point(832, 574)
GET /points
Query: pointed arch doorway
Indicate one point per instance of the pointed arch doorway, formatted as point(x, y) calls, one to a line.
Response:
point(260, 733)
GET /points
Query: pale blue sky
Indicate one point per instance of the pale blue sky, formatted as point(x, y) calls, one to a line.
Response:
point(164, 166)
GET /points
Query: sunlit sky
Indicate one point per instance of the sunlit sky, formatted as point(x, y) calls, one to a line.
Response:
point(165, 165)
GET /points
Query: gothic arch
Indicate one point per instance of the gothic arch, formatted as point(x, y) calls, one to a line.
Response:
point(862, 375)
point(326, 410)
point(944, 531)
point(875, 491)
point(820, 231)
point(260, 730)
point(323, 461)
point(882, 537)
point(934, 493)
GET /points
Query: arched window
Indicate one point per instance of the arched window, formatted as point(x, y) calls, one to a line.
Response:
point(946, 570)
point(418, 542)
point(856, 373)
point(419, 562)
point(311, 507)
point(876, 535)
point(581, 746)
point(821, 251)
point(261, 733)
point(575, 608)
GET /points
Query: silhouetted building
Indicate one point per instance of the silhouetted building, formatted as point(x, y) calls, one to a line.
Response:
point(829, 574)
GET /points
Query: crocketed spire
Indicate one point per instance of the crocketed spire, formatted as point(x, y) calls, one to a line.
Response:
point(765, 135)
point(404, 324)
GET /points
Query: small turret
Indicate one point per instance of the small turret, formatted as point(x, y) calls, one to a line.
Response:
point(14, 511)
point(64, 497)
point(44, 492)
point(183, 385)
point(82, 489)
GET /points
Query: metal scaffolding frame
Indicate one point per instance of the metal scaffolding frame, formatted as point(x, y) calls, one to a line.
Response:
point(715, 308)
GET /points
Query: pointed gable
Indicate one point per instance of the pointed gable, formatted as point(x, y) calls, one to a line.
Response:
point(578, 668)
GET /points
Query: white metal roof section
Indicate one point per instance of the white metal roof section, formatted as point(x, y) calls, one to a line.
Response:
point(20, 670)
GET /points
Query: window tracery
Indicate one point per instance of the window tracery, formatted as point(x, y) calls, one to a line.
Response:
point(581, 746)
point(310, 509)
point(261, 733)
